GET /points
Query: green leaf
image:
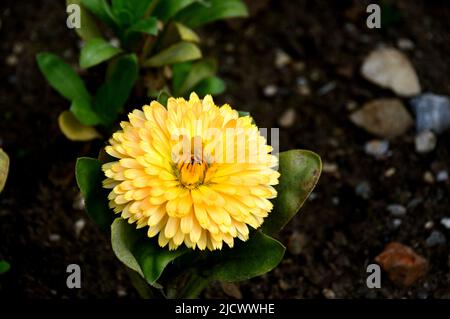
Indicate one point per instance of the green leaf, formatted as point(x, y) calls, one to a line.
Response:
point(258, 255)
point(243, 113)
point(4, 266)
point(89, 177)
point(300, 170)
point(212, 85)
point(148, 26)
point(180, 71)
point(88, 29)
point(208, 11)
point(102, 10)
point(84, 112)
point(166, 9)
point(162, 98)
point(139, 252)
point(113, 94)
point(200, 70)
point(96, 51)
point(4, 169)
point(74, 130)
point(128, 11)
point(62, 77)
point(180, 52)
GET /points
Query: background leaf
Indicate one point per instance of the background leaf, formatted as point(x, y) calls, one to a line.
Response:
point(148, 26)
point(199, 71)
point(212, 85)
point(89, 177)
point(207, 11)
point(4, 169)
point(88, 29)
point(166, 9)
point(74, 130)
point(180, 52)
point(4, 266)
point(62, 77)
point(102, 10)
point(84, 112)
point(96, 51)
point(113, 94)
point(129, 11)
point(300, 170)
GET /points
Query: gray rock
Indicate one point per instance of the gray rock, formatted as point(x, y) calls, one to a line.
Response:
point(387, 118)
point(363, 190)
point(435, 238)
point(442, 176)
point(425, 142)
point(376, 148)
point(288, 117)
point(432, 112)
point(446, 222)
point(390, 68)
point(396, 210)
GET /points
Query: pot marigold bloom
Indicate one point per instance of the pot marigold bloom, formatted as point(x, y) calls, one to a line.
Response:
point(195, 173)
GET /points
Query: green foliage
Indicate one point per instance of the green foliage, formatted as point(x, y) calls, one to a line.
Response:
point(152, 34)
point(4, 266)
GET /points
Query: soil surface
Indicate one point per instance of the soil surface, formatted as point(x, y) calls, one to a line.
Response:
point(339, 230)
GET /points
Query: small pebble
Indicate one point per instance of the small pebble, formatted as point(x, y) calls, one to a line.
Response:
point(429, 224)
point(327, 88)
point(270, 90)
point(79, 225)
point(363, 190)
point(54, 237)
point(335, 201)
point(287, 119)
point(425, 142)
point(282, 59)
point(396, 223)
point(390, 172)
point(428, 177)
point(405, 44)
point(330, 168)
point(78, 203)
point(328, 293)
point(396, 210)
point(442, 176)
point(446, 222)
point(12, 60)
point(435, 238)
point(376, 148)
point(115, 42)
point(296, 243)
point(351, 105)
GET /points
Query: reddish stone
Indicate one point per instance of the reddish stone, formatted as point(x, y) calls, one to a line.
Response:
point(402, 264)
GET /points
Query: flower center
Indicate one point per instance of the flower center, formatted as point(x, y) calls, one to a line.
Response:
point(192, 166)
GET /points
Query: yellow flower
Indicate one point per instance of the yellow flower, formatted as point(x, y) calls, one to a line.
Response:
point(193, 173)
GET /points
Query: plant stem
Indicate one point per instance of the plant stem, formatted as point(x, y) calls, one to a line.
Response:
point(194, 287)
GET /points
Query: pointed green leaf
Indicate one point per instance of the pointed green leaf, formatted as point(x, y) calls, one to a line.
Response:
point(113, 94)
point(128, 11)
point(148, 26)
point(162, 97)
point(207, 11)
point(140, 253)
point(300, 170)
point(200, 70)
point(166, 9)
point(180, 71)
point(74, 130)
point(62, 77)
point(211, 85)
point(96, 51)
point(180, 52)
point(102, 10)
point(185, 33)
point(89, 177)
point(84, 112)
point(4, 169)
point(256, 256)
point(88, 29)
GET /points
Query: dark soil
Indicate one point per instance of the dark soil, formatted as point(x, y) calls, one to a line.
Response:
point(340, 231)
